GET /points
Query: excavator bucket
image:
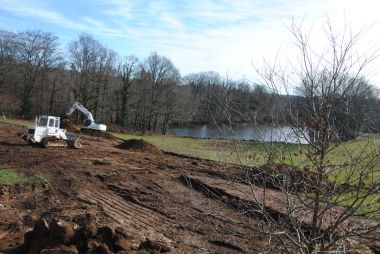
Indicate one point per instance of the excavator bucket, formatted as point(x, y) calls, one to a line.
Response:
point(26, 137)
point(75, 143)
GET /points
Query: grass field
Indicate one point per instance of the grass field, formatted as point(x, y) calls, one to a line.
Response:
point(255, 154)
point(16, 121)
point(245, 153)
point(250, 152)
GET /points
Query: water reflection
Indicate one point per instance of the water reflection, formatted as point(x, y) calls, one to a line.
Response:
point(240, 132)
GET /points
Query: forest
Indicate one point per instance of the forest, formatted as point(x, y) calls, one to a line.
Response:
point(40, 76)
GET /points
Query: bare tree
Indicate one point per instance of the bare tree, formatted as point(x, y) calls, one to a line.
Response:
point(331, 108)
point(105, 75)
point(159, 73)
point(92, 73)
point(171, 104)
point(84, 54)
point(8, 50)
point(58, 84)
point(7, 54)
point(36, 50)
point(51, 60)
point(127, 73)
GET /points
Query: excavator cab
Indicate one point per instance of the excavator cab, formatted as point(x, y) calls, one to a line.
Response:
point(87, 123)
point(45, 126)
point(42, 121)
point(50, 123)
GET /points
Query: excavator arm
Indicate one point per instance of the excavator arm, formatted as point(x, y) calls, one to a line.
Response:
point(82, 109)
point(89, 122)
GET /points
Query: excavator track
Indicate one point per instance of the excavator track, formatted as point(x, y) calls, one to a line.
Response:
point(96, 133)
point(89, 132)
point(57, 142)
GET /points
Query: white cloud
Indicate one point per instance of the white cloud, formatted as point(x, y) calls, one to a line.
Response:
point(24, 9)
point(100, 27)
point(172, 21)
point(223, 35)
point(35, 10)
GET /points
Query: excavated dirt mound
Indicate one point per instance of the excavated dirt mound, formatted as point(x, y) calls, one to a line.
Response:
point(139, 145)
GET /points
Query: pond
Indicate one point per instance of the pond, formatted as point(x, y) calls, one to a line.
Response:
point(284, 134)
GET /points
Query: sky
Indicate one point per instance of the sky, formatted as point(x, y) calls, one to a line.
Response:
point(227, 36)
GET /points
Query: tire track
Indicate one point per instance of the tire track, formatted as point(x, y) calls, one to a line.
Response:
point(126, 212)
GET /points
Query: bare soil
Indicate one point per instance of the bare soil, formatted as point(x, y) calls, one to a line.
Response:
point(133, 189)
point(139, 145)
point(124, 197)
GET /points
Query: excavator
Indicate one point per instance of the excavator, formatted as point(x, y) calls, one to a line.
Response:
point(46, 132)
point(89, 123)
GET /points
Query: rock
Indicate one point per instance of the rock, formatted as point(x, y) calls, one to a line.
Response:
point(53, 237)
point(134, 246)
point(92, 244)
point(121, 231)
point(42, 243)
point(28, 220)
point(87, 232)
point(105, 234)
point(87, 225)
point(151, 245)
point(40, 230)
point(143, 252)
point(62, 249)
point(102, 249)
point(122, 244)
point(80, 236)
point(62, 230)
point(91, 229)
point(29, 237)
point(72, 248)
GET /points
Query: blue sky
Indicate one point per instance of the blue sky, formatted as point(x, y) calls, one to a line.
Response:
point(200, 35)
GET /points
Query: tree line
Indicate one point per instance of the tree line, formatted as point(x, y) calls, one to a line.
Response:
point(38, 77)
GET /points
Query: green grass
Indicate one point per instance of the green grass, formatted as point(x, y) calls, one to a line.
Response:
point(246, 153)
point(251, 152)
point(9, 177)
point(16, 121)
point(254, 153)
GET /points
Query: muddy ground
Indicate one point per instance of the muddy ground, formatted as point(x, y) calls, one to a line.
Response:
point(131, 188)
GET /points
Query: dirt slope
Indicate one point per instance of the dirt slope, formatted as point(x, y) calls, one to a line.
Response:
point(130, 187)
point(136, 190)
